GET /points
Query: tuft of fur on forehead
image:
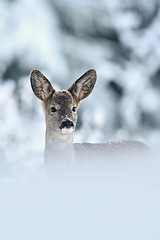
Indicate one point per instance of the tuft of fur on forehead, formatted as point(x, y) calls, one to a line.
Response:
point(62, 97)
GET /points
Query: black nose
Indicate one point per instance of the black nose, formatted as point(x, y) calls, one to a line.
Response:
point(67, 124)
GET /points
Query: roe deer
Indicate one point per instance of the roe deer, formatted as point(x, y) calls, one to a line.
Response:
point(60, 109)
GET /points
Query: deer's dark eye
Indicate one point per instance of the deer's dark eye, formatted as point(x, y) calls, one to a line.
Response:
point(74, 109)
point(53, 109)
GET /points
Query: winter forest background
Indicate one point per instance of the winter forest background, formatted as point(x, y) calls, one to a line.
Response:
point(63, 39)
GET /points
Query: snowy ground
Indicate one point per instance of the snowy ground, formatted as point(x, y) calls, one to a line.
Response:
point(111, 200)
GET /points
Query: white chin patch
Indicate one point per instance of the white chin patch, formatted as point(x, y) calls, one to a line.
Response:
point(66, 130)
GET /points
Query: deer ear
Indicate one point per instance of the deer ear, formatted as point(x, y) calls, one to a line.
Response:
point(41, 86)
point(83, 86)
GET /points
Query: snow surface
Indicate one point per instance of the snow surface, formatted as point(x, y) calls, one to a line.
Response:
point(115, 199)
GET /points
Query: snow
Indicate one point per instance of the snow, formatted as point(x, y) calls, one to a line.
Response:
point(97, 199)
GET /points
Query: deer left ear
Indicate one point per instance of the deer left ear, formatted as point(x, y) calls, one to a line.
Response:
point(41, 86)
point(83, 86)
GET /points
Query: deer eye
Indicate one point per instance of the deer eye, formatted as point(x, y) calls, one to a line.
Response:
point(53, 109)
point(74, 109)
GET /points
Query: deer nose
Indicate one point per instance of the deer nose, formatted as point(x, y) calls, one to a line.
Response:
point(67, 124)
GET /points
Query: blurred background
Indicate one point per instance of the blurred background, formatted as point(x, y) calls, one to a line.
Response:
point(63, 39)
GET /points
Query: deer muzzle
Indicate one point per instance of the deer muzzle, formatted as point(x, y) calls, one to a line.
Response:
point(66, 124)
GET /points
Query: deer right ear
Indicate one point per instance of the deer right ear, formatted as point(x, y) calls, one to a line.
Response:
point(41, 86)
point(83, 86)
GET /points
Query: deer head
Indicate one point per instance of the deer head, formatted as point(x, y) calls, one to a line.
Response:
point(60, 107)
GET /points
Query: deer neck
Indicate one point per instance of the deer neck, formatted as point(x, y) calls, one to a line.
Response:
point(58, 146)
